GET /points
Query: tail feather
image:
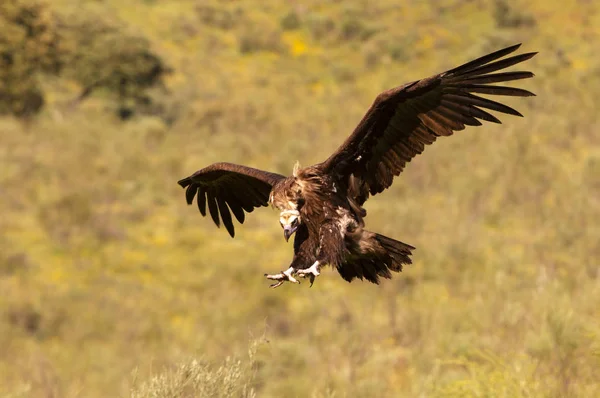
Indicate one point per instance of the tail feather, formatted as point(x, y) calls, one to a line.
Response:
point(399, 252)
point(387, 255)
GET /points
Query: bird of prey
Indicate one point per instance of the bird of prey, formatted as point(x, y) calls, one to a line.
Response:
point(322, 203)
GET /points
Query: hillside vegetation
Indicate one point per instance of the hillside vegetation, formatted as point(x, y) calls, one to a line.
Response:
point(112, 286)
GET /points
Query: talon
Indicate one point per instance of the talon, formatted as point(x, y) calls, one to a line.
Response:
point(282, 277)
point(312, 272)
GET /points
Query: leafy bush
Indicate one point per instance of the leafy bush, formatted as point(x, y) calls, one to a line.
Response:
point(29, 45)
point(90, 47)
point(105, 55)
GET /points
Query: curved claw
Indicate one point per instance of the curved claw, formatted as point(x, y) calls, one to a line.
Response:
point(282, 277)
point(312, 272)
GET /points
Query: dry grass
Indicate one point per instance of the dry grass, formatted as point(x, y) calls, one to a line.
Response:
point(104, 269)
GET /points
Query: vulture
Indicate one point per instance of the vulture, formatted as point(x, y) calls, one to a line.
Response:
point(323, 203)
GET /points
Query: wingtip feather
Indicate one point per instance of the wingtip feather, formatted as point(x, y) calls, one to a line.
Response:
point(184, 182)
point(190, 192)
point(483, 60)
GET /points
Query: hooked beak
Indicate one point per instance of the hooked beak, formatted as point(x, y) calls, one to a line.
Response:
point(288, 231)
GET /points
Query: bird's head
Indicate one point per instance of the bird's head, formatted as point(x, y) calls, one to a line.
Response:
point(289, 205)
point(288, 198)
point(290, 221)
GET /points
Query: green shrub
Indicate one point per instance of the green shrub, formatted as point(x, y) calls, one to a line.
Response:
point(90, 47)
point(29, 45)
point(106, 56)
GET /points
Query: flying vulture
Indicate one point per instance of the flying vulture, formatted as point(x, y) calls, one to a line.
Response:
point(322, 204)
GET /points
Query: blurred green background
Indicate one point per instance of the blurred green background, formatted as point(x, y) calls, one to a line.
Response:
point(112, 286)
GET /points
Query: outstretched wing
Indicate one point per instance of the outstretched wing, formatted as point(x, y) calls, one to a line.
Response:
point(404, 119)
point(227, 186)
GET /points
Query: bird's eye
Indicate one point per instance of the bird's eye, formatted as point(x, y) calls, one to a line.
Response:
point(295, 221)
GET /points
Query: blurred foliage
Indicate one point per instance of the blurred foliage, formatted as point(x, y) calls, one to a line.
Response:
point(29, 44)
point(105, 55)
point(86, 45)
point(104, 270)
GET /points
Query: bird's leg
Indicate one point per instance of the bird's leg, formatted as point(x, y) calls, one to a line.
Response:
point(282, 277)
point(312, 272)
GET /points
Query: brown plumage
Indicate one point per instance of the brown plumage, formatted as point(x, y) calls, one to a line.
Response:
point(225, 187)
point(322, 203)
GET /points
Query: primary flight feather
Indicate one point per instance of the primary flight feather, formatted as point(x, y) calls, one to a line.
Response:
point(322, 204)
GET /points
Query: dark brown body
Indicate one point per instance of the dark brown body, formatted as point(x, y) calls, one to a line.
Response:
point(334, 232)
point(322, 204)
